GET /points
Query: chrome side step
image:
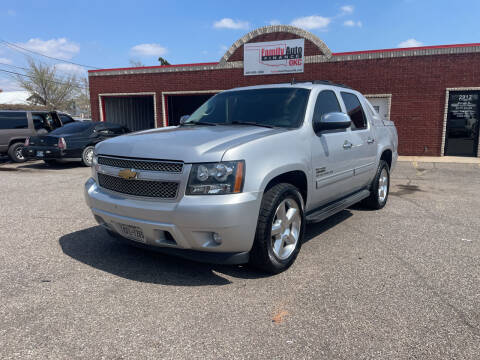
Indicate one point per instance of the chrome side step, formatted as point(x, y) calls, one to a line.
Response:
point(337, 206)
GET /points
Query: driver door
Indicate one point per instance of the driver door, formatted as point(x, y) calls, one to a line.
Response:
point(331, 159)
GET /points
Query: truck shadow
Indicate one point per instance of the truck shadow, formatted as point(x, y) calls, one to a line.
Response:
point(316, 229)
point(40, 165)
point(94, 247)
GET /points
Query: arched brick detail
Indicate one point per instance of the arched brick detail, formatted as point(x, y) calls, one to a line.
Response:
point(313, 45)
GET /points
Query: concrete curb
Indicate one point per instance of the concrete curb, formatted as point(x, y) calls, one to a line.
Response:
point(441, 159)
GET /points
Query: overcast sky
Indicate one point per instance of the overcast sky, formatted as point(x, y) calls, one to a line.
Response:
point(108, 34)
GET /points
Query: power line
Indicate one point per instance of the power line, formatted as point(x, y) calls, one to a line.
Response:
point(53, 81)
point(14, 66)
point(16, 47)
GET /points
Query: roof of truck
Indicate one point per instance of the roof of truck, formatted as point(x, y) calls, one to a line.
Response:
point(303, 85)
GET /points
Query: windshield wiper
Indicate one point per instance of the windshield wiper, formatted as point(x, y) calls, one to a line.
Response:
point(251, 123)
point(200, 123)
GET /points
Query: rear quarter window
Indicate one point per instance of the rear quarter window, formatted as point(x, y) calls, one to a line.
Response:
point(10, 120)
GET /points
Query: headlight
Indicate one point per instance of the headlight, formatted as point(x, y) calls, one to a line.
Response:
point(216, 178)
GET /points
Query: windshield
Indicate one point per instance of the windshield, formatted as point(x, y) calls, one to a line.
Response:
point(72, 128)
point(282, 107)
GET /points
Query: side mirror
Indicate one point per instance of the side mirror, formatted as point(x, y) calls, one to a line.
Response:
point(184, 119)
point(331, 121)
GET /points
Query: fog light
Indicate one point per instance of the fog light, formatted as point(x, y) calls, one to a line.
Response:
point(217, 238)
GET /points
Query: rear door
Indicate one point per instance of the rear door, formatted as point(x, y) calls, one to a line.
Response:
point(331, 161)
point(13, 126)
point(363, 143)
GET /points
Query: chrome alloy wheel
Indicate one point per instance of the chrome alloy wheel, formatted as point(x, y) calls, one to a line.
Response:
point(89, 157)
point(19, 154)
point(383, 185)
point(286, 227)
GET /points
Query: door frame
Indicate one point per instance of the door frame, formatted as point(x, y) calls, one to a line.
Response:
point(164, 95)
point(101, 103)
point(445, 116)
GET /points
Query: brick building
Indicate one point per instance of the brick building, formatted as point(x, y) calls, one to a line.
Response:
point(431, 93)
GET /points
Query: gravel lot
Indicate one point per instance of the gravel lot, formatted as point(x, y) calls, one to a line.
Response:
point(403, 282)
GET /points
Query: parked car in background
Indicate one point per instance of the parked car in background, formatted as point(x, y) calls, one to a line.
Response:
point(237, 181)
point(72, 142)
point(17, 125)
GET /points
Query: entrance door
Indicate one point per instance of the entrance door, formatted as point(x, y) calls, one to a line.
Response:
point(462, 123)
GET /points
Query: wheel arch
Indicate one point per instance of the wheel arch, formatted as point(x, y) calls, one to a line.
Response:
point(387, 156)
point(17, 140)
point(297, 178)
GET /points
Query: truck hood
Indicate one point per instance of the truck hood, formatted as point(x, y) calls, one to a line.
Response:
point(183, 143)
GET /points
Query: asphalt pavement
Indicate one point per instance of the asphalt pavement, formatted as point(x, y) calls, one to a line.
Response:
point(400, 283)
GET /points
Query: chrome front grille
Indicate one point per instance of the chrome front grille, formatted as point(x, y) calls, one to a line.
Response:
point(145, 188)
point(141, 164)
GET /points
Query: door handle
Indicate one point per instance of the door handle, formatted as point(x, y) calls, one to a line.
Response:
point(347, 145)
point(370, 140)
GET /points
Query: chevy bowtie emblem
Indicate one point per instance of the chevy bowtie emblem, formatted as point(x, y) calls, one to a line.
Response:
point(127, 174)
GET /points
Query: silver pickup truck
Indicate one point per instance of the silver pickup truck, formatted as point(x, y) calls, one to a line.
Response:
point(238, 180)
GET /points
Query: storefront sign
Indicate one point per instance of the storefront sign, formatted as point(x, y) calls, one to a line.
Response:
point(274, 57)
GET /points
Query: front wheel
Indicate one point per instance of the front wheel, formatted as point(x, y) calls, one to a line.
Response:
point(379, 188)
point(280, 229)
point(87, 156)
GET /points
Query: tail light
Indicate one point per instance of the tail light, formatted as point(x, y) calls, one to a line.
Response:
point(62, 144)
point(27, 141)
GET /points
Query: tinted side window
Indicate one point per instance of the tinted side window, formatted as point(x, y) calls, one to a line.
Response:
point(13, 120)
point(65, 119)
point(355, 111)
point(327, 102)
point(40, 122)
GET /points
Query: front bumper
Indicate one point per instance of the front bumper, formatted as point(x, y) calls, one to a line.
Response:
point(187, 225)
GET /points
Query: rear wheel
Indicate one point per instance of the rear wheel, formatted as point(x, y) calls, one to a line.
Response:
point(379, 188)
point(15, 151)
point(87, 156)
point(280, 229)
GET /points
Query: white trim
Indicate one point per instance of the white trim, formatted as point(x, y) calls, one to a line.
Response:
point(383, 96)
point(163, 93)
point(154, 94)
point(445, 115)
point(310, 59)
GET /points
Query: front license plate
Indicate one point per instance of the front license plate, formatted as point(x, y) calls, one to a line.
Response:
point(132, 232)
point(40, 153)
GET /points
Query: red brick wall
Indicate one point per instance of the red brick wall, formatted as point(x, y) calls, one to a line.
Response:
point(417, 85)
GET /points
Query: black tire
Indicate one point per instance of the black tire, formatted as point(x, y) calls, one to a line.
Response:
point(50, 162)
point(374, 201)
point(262, 255)
point(85, 157)
point(15, 152)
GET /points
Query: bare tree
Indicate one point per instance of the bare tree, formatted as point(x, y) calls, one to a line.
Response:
point(82, 100)
point(136, 63)
point(47, 87)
